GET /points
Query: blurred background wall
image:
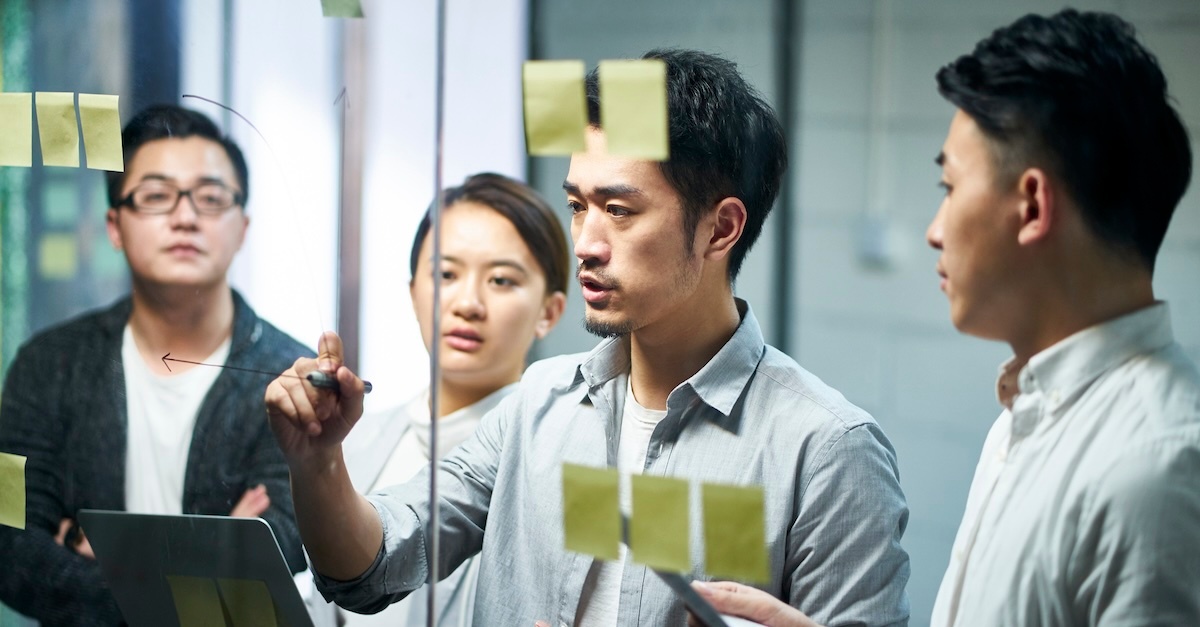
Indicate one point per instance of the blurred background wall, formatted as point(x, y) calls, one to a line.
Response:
point(841, 278)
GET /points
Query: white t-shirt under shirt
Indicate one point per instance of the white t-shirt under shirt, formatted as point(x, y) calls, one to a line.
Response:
point(599, 605)
point(161, 414)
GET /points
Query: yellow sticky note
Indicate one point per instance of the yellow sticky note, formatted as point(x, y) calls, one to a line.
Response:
point(57, 129)
point(591, 519)
point(101, 123)
point(58, 256)
point(196, 601)
point(342, 8)
point(735, 533)
point(248, 602)
point(633, 108)
point(658, 528)
point(12, 490)
point(16, 129)
point(555, 107)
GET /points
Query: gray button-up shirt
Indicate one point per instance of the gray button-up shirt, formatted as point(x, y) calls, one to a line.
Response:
point(834, 509)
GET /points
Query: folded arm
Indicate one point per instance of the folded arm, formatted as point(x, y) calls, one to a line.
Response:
point(50, 582)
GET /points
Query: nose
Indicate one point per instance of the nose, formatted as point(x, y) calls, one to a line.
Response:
point(591, 242)
point(467, 301)
point(933, 234)
point(184, 214)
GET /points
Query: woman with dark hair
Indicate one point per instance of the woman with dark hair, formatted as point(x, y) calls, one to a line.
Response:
point(503, 273)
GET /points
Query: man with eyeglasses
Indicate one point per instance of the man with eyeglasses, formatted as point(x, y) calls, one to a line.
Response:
point(92, 406)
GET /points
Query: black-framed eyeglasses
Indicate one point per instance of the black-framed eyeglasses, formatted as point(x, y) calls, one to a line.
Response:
point(160, 197)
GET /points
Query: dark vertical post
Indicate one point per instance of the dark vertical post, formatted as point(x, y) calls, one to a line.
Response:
point(154, 52)
point(786, 80)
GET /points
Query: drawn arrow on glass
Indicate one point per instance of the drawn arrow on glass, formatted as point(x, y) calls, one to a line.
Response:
point(317, 378)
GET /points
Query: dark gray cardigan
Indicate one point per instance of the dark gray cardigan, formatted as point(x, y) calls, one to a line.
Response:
point(63, 408)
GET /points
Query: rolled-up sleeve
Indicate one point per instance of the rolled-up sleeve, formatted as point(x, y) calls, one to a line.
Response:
point(398, 569)
point(466, 478)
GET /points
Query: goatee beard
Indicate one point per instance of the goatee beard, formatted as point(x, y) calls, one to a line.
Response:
point(606, 329)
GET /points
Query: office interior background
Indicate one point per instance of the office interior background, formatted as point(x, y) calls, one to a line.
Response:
point(841, 279)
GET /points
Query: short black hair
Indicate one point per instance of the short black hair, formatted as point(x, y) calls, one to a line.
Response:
point(724, 140)
point(529, 214)
point(167, 120)
point(1077, 94)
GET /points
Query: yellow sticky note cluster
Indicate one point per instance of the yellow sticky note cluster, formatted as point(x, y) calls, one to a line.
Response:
point(101, 124)
point(197, 602)
point(58, 132)
point(342, 8)
point(555, 107)
point(57, 129)
point(734, 523)
point(203, 602)
point(633, 107)
point(735, 532)
point(248, 602)
point(12, 490)
point(591, 518)
point(658, 529)
point(16, 129)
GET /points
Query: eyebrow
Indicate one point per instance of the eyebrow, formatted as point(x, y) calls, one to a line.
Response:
point(619, 190)
point(200, 181)
point(499, 263)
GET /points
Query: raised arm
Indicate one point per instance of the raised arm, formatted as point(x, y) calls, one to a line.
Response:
point(340, 529)
point(266, 467)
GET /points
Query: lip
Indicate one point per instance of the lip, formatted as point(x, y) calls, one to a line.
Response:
point(944, 279)
point(184, 249)
point(594, 291)
point(463, 339)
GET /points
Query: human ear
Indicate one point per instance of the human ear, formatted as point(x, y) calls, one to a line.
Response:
point(552, 311)
point(113, 226)
point(245, 226)
point(1037, 207)
point(729, 220)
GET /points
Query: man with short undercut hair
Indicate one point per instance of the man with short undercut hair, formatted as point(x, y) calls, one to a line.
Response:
point(1062, 168)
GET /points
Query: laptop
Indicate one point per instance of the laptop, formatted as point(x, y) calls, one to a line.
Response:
point(231, 566)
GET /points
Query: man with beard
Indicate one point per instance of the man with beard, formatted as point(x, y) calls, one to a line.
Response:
point(683, 385)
